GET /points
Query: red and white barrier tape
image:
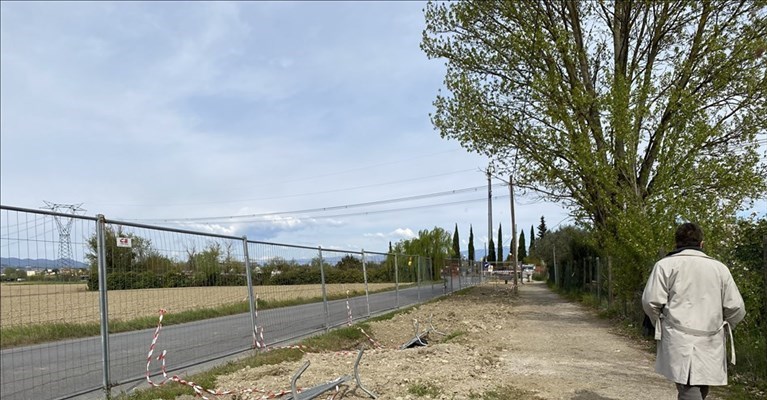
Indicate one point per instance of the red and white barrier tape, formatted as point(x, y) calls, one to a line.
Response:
point(348, 310)
point(260, 344)
point(375, 344)
point(198, 390)
point(258, 334)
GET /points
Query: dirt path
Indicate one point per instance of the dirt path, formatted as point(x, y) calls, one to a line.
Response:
point(537, 346)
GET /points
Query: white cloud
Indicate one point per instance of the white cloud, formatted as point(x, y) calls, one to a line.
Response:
point(405, 233)
point(374, 235)
point(212, 228)
point(154, 111)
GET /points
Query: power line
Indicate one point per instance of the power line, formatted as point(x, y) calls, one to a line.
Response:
point(360, 213)
point(321, 209)
point(300, 194)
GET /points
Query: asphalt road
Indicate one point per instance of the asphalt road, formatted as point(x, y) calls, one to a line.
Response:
point(73, 368)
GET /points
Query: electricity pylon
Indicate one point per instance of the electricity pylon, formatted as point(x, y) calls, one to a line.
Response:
point(64, 224)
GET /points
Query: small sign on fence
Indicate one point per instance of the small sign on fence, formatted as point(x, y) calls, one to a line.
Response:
point(123, 242)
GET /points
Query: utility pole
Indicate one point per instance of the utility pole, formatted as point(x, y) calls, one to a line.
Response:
point(514, 244)
point(489, 211)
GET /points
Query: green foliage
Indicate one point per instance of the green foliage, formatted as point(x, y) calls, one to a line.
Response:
point(490, 251)
point(542, 229)
point(419, 389)
point(140, 262)
point(13, 274)
point(435, 245)
point(456, 244)
point(499, 254)
point(349, 262)
point(345, 338)
point(522, 248)
point(453, 335)
point(745, 255)
point(142, 267)
point(636, 115)
point(532, 241)
point(471, 244)
point(507, 392)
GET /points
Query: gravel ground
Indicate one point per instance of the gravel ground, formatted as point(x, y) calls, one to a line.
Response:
point(496, 346)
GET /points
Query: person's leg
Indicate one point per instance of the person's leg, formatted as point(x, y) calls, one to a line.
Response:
point(704, 391)
point(687, 392)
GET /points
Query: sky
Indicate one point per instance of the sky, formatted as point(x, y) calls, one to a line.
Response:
point(190, 114)
point(303, 123)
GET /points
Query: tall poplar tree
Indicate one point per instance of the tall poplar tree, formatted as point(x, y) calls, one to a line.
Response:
point(634, 114)
point(522, 248)
point(532, 241)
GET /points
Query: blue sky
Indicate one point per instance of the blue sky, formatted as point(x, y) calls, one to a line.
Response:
point(152, 112)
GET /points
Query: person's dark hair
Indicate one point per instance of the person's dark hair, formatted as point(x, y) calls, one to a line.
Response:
point(688, 235)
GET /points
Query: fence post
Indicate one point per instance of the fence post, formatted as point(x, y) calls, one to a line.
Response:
point(103, 305)
point(418, 278)
point(249, 279)
point(365, 275)
point(396, 282)
point(609, 281)
point(599, 283)
point(324, 290)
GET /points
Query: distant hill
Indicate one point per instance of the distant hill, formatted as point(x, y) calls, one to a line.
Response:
point(39, 263)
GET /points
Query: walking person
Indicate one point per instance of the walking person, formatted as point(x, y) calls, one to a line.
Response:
point(695, 305)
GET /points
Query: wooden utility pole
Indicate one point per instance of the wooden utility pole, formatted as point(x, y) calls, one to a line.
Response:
point(514, 244)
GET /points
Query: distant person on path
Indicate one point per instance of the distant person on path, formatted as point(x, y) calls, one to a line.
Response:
point(695, 305)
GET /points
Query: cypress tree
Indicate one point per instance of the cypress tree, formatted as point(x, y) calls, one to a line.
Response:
point(522, 249)
point(456, 244)
point(542, 228)
point(471, 243)
point(491, 251)
point(499, 256)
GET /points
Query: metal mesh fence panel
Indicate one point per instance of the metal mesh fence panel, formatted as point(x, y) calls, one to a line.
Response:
point(289, 292)
point(193, 277)
point(44, 295)
point(220, 295)
point(344, 273)
point(381, 274)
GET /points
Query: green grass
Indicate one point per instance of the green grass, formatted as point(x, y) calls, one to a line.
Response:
point(453, 335)
point(424, 389)
point(42, 333)
point(208, 379)
point(345, 338)
point(505, 393)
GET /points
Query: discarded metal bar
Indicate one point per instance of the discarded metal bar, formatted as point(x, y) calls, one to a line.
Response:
point(420, 339)
point(312, 392)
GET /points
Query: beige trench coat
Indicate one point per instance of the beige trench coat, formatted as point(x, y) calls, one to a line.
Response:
point(694, 304)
